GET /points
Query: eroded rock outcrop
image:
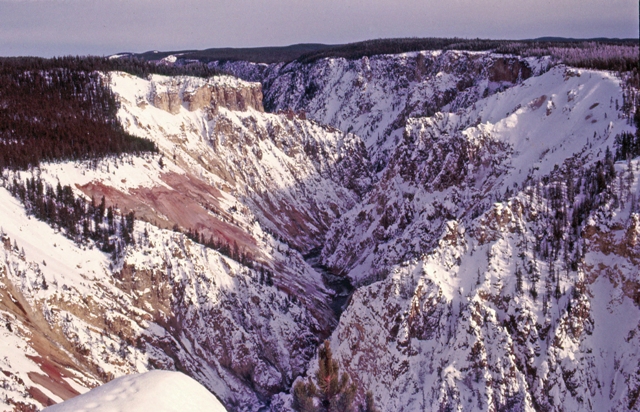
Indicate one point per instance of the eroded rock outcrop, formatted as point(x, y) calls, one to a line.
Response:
point(170, 94)
point(375, 96)
point(510, 70)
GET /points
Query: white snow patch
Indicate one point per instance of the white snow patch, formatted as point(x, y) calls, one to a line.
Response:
point(158, 391)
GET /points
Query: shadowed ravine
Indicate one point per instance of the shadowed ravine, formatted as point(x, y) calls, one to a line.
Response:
point(340, 285)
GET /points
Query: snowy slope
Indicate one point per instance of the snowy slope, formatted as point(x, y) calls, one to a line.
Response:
point(159, 391)
point(374, 96)
point(284, 169)
point(482, 292)
point(457, 165)
point(451, 329)
point(69, 324)
point(265, 184)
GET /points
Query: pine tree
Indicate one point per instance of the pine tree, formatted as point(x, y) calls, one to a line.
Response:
point(303, 397)
point(369, 406)
point(334, 393)
point(609, 165)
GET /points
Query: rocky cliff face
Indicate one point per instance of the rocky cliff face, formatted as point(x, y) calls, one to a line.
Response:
point(450, 166)
point(266, 186)
point(501, 276)
point(374, 97)
point(292, 175)
point(195, 94)
point(168, 304)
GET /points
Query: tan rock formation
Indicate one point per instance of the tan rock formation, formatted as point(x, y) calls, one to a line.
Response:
point(509, 70)
point(229, 93)
point(168, 100)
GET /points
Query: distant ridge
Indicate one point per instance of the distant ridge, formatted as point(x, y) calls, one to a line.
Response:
point(309, 52)
point(253, 54)
point(594, 39)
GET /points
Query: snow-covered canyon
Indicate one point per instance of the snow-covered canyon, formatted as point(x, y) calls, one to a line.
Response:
point(468, 196)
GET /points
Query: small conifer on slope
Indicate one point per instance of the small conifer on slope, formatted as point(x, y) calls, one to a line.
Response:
point(334, 392)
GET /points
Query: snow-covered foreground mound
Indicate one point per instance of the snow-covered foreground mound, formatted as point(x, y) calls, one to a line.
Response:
point(158, 391)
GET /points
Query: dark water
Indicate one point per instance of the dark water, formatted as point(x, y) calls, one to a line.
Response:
point(340, 285)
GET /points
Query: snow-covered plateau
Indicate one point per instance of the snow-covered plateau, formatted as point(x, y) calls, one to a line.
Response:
point(471, 199)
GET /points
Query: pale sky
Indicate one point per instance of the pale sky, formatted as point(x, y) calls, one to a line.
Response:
point(102, 27)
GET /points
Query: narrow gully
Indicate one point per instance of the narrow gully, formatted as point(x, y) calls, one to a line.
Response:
point(340, 285)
